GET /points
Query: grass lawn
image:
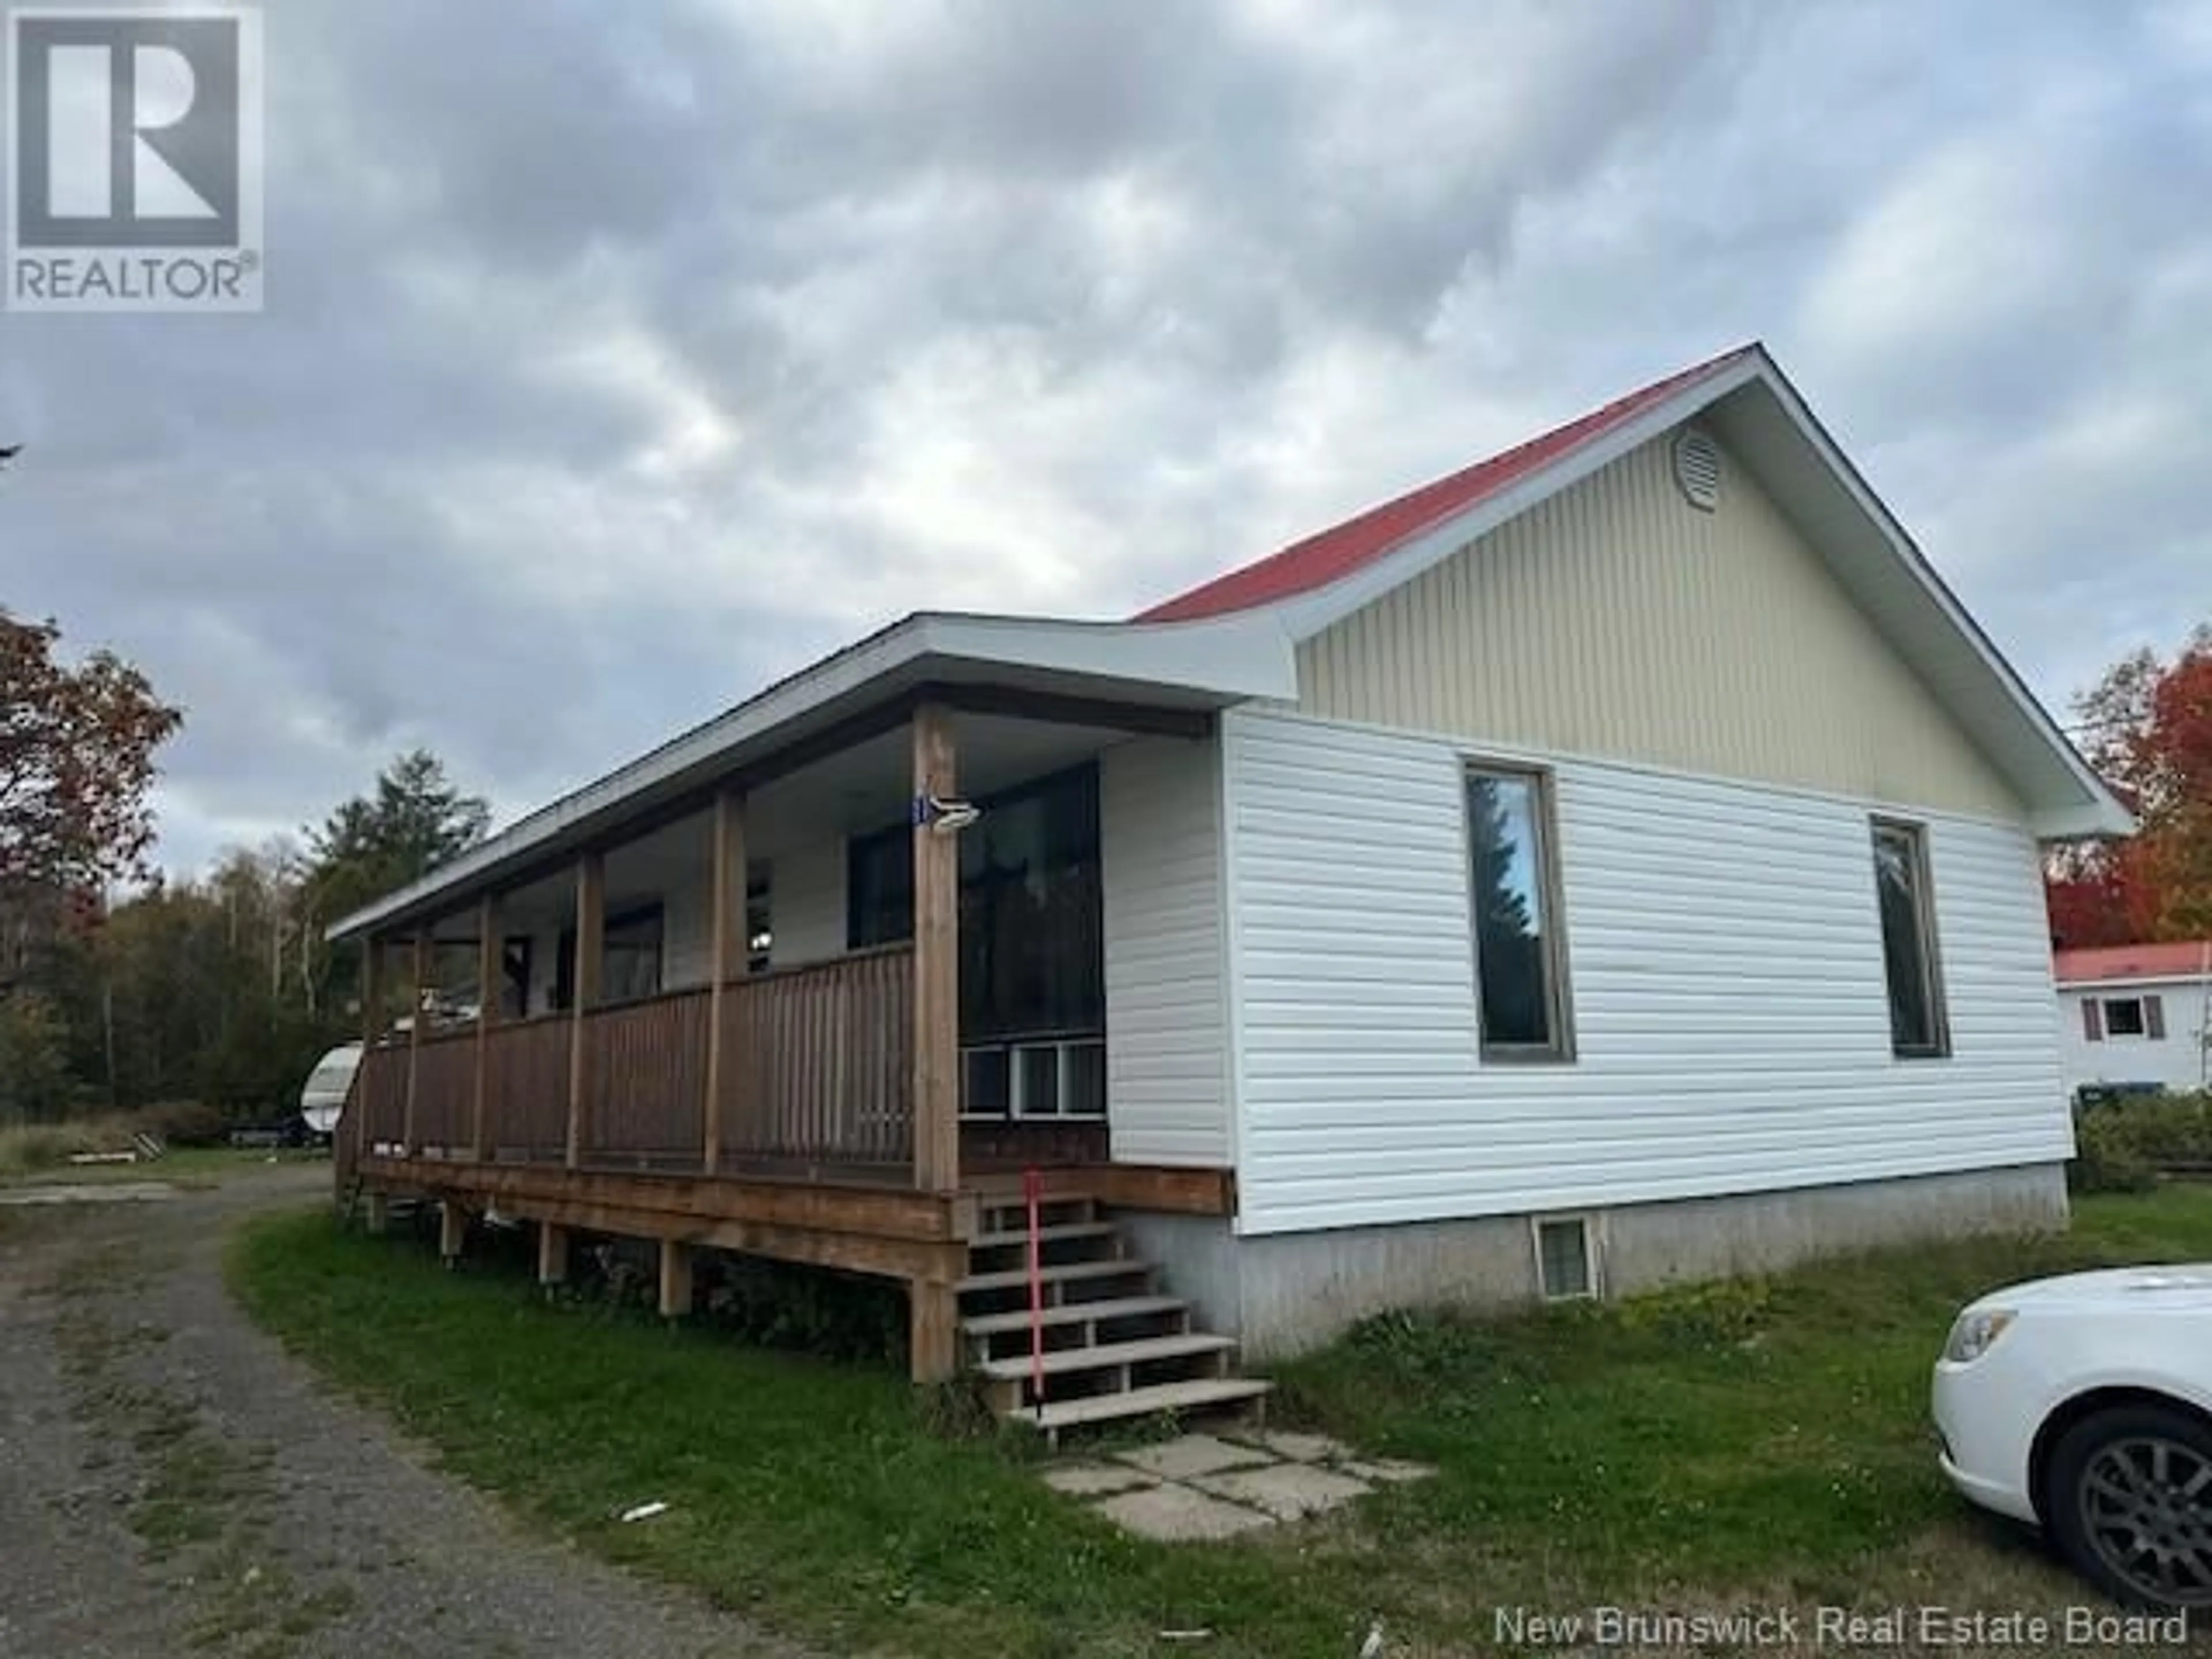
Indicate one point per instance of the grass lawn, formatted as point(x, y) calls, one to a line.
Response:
point(181, 1166)
point(1751, 1442)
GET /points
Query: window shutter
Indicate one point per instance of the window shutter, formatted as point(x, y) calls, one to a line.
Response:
point(2093, 1020)
point(2154, 1019)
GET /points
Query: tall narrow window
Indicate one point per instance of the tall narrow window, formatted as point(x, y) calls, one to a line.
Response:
point(760, 922)
point(1917, 1028)
point(514, 979)
point(1516, 943)
point(880, 887)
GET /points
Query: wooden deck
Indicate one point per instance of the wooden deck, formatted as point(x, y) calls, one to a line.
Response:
point(773, 1117)
point(809, 1113)
point(895, 1232)
point(814, 1077)
point(881, 1227)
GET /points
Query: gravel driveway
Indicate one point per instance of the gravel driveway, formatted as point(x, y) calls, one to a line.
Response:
point(171, 1481)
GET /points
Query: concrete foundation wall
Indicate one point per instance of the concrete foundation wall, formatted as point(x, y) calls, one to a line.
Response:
point(1283, 1293)
point(1649, 1245)
point(1197, 1260)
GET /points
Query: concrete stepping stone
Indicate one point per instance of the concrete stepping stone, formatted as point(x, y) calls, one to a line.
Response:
point(1179, 1514)
point(1286, 1491)
point(1096, 1479)
point(1299, 1447)
point(1191, 1455)
point(1390, 1469)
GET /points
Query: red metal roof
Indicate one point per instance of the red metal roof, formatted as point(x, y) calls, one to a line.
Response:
point(2182, 959)
point(1322, 559)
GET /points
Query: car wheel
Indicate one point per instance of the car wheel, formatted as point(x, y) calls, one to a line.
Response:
point(2129, 1504)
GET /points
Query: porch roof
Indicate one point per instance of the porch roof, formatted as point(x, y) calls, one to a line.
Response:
point(1151, 674)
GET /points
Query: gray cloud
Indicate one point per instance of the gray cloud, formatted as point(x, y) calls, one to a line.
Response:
point(620, 359)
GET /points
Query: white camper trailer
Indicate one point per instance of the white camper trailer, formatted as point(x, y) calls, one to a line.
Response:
point(323, 1097)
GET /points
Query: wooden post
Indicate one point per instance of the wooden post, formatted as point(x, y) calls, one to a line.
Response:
point(421, 980)
point(552, 1255)
point(934, 1319)
point(372, 1028)
point(733, 949)
point(452, 1231)
point(591, 950)
point(675, 1279)
point(490, 982)
point(936, 963)
point(377, 1218)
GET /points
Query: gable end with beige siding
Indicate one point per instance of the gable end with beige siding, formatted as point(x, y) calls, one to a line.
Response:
point(1616, 620)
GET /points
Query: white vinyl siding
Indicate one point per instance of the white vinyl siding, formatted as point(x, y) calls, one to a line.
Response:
point(2179, 1059)
point(1615, 619)
point(544, 965)
point(1166, 1024)
point(806, 902)
point(1729, 1006)
point(687, 934)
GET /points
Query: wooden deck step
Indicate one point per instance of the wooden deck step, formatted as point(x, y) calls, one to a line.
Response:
point(1070, 1313)
point(1195, 1395)
point(1055, 1235)
point(1053, 1272)
point(1000, 1214)
point(1104, 1356)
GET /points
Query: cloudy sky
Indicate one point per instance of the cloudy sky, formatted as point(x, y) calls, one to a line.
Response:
point(619, 358)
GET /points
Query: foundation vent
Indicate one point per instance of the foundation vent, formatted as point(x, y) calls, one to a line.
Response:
point(1566, 1259)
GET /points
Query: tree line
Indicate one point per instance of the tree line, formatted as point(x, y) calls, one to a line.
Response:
point(123, 986)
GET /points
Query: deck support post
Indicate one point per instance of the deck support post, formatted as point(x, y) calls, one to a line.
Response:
point(452, 1232)
point(491, 976)
point(732, 946)
point(552, 1256)
point(372, 1028)
point(936, 964)
point(933, 1320)
point(591, 940)
point(675, 1279)
point(376, 1213)
point(409, 1143)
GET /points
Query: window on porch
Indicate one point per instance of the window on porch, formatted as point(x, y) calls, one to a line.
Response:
point(1032, 972)
point(629, 961)
point(515, 952)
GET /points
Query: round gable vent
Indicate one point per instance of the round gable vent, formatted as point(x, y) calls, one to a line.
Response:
point(1698, 469)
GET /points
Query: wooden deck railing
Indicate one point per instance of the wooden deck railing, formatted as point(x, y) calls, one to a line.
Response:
point(527, 1091)
point(383, 1086)
point(817, 1075)
point(648, 1072)
point(445, 1092)
point(345, 1141)
point(822, 1068)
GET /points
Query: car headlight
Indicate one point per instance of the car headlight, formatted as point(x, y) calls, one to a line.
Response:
point(1976, 1333)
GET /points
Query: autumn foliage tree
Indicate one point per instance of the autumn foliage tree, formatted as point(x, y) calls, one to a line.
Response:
point(77, 759)
point(216, 988)
point(2147, 727)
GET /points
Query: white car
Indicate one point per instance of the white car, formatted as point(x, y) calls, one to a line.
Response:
point(2084, 1405)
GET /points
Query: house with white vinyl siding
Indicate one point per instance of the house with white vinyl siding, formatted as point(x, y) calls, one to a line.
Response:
point(2137, 1016)
point(1615, 862)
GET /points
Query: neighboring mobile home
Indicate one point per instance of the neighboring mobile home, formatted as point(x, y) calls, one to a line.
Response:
point(2138, 1014)
point(1615, 862)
